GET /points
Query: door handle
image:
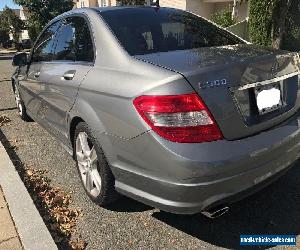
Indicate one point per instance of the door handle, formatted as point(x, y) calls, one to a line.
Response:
point(37, 74)
point(69, 75)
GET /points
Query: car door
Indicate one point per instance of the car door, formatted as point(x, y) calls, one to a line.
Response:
point(73, 57)
point(30, 85)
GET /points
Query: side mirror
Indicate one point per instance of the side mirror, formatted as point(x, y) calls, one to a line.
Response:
point(20, 59)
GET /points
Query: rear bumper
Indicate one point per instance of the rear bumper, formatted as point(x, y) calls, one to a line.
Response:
point(189, 178)
point(194, 198)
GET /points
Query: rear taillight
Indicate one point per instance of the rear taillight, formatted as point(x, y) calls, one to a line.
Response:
point(178, 118)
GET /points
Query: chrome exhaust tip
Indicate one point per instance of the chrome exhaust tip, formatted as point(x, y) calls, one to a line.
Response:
point(215, 212)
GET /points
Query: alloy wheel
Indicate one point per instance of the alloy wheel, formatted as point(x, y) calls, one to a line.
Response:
point(87, 161)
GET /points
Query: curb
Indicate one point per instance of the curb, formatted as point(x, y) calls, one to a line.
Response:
point(30, 226)
point(9, 57)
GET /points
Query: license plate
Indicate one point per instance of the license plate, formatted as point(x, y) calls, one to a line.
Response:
point(268, 98)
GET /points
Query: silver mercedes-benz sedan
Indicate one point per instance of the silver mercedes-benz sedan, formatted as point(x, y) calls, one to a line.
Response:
point(162, 106)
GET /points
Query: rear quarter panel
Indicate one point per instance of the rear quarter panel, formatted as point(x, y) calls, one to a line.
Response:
point(105, 98)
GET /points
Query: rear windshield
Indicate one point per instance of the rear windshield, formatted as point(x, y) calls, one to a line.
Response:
point(150, 30)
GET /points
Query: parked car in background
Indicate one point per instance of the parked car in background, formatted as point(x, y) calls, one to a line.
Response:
point(26, 44)
point(162, 106)
point(8, 44)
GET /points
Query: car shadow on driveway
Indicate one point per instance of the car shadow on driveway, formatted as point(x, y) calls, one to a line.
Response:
point(128, 205)
point(8, 109)
point(5, 79)
point(273, 210)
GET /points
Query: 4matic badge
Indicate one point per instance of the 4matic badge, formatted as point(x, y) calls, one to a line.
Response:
point(211, 84)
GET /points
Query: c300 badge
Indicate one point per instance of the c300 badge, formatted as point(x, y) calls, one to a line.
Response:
point(212, 84)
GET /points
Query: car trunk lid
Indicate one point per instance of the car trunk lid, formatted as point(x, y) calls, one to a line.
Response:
point(229, 80)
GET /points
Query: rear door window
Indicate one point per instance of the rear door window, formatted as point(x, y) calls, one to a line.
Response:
point(74, 42)
point(150, 30)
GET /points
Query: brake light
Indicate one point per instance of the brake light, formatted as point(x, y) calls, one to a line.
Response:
point(178, 118)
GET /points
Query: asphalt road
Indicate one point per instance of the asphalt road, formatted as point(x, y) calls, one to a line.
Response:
point(132, 225)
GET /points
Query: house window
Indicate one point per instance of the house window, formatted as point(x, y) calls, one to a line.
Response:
point(103, 3)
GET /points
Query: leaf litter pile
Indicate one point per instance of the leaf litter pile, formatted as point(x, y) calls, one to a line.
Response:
point(52, 203)
point(4, 120)
point(54, 206)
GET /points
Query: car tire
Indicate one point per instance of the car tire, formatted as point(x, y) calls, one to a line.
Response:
point(20, 106)
point(93, 169)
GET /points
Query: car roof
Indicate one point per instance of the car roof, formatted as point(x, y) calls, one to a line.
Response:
point(113, 8)
point(86, 10)
point(135, 7)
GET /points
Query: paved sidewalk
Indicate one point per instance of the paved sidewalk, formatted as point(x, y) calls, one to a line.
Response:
point(30, 226)
point(9, 238)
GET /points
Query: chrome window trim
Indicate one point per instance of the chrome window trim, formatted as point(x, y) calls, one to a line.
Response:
point(276, 79)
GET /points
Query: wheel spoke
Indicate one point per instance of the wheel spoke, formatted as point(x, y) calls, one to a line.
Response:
point(83, 167)
point(80, 157)
point(84, 144)
point(96, 179)
point(88, 181)
point(93, 157)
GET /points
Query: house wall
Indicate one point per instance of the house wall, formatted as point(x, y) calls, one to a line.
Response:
point(222, 6)
point(178, 4)
point(200, 8)
point(24, 33)
point(106, 3)
point(113, 2)
point(206, 9)
point(86, 3)
point(94, 3)
point(243, 11)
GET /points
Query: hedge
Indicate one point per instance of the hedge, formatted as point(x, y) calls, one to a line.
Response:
point(263, 18)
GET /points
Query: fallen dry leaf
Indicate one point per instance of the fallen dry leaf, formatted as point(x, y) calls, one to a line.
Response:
point(53, 204)
point(77, 244)
point(4, 120)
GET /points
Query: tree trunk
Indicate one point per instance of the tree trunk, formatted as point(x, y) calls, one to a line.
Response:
point(279, 22)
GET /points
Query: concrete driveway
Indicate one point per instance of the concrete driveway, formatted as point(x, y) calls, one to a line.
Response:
point(132, 225)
